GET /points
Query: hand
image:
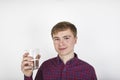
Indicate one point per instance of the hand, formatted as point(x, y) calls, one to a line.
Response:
point(27, 65)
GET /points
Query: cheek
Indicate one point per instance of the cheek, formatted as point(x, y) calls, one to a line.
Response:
point(72, 43)
point(55, 46)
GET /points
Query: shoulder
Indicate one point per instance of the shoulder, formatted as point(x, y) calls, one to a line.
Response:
point(84, 64)
point(81, 62)
point(85, 69)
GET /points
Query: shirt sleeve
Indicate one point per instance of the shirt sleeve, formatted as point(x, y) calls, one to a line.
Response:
point(28, 78)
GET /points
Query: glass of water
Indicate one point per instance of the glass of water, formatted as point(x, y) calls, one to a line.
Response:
point(35, 53)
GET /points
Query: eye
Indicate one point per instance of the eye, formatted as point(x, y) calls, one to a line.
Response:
point(56, 39)
point(66, 38)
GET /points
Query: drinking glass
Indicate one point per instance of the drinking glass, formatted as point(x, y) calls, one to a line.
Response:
point(35, 53)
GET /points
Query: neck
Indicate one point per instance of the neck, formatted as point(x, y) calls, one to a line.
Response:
point(66, 58)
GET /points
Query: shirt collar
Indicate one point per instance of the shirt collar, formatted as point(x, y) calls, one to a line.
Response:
point(59, 61)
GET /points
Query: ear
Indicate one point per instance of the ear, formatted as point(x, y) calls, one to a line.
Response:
point(76, 39)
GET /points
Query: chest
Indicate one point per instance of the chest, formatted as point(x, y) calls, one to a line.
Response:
point(64, 72)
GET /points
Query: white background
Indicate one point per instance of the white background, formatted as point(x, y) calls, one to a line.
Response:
point(26, 24)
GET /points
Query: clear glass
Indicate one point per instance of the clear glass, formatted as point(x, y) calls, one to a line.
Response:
point(35, 53)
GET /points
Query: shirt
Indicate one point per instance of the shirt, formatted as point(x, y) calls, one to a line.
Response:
point(74, 69)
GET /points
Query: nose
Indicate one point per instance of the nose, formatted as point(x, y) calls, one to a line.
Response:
point(61, 43)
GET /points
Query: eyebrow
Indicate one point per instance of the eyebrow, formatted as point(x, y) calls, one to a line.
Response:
point(55, 37)
point(63, 36)
point(67, 36)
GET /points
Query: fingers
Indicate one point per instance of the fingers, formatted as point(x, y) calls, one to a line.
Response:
point(27, 63)
point(27, 58)
point(28, 68)
point(26, 54)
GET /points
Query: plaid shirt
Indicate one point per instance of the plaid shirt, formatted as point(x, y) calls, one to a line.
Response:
point(55, 69)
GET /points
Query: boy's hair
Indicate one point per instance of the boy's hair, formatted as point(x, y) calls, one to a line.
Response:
point(62, 26)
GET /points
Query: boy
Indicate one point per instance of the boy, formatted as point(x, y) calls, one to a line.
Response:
point(66, 66)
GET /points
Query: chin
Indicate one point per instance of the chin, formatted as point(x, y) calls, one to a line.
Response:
point(62, 53)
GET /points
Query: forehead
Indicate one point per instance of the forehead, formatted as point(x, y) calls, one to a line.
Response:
point(67, 32)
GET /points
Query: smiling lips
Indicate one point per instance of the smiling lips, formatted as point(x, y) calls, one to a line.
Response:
point(61, 49)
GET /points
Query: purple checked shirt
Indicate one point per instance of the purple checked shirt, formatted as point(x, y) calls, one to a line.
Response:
point(55, 69)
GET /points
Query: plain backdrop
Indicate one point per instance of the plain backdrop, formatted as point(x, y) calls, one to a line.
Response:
point(26, 24)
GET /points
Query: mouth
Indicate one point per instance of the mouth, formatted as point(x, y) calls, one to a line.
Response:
point(61, 49)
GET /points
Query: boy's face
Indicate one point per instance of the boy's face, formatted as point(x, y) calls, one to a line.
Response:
point(64, 42)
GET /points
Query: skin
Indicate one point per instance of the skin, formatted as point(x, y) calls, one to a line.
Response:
point(64, 42)
point(27, 64)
